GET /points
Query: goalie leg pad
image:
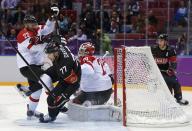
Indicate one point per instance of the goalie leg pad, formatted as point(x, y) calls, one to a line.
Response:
point(82, 113)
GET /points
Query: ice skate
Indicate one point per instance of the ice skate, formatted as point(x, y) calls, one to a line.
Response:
point(23, 90)
point(46, 119)
point(31, 114)
point(183, 102)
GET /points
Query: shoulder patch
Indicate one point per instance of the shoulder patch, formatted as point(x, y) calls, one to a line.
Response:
point(23, 35)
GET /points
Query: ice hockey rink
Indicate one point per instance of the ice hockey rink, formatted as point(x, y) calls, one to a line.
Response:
point(13, 117)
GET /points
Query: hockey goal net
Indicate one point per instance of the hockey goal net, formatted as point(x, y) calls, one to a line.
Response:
point(146, 98)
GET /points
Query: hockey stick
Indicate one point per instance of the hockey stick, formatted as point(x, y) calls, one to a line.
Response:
point(178, 73)
point(183, 73)
point(27, 63)
point(106, 53)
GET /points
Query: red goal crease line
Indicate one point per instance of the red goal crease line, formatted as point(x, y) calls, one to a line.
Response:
point(185, 88)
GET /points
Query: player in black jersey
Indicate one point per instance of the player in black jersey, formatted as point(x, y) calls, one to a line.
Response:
point(165, 57)
point(66, 71)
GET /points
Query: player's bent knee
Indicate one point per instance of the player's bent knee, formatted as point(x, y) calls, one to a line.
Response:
point(50, 101)
point(47, 80)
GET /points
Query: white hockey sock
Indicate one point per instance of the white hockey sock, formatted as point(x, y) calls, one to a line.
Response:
point(34, 100)
point(47, 80)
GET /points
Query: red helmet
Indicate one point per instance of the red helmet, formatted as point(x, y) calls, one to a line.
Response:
point(86, 48)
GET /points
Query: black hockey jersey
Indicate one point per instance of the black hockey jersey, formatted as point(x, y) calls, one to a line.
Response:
point(68, 68)
point(164, 58)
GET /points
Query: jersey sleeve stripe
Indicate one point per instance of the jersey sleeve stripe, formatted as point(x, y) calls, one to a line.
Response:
point(173, 59)
point(33, 100)
point(29, 46)
point(89, 63)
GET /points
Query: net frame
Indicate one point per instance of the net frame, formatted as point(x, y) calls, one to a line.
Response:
point(121, 76)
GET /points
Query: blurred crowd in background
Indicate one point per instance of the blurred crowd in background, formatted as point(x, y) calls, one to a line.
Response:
point(101, 21)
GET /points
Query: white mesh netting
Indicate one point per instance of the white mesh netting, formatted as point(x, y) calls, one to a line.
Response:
point(148, 99)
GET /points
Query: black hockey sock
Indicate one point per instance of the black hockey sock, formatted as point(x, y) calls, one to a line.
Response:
point(53, 112)
point(178, 97)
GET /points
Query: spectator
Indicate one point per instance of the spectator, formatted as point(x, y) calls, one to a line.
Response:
point(12, 35)
point(7, 16)
point(65, 4)
point(42, 16)
point(105, 21)
point(152, 31)
point(4, 26)
point(152, 19)
point(72, 31)
point(79, 36)
point(128, 18)
point(133, 7)
point(181, 15)
point(30, 10)
point(18, 26)
point(181, 44)
point(18, 16)
point(88, 18)
point(116, 15)
point(2, 37)
point(114, 27)
point(139, 25)
point(6, 4)
point(1, 45)
point(63, 24)
point(152, 27)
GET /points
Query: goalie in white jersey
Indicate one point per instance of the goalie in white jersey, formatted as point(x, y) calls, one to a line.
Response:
point(31, 46)
point(96, 89)
point(96, 80)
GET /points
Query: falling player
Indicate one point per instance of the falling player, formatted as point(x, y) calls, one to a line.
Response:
point(165, 57)
point(30, 45)
point(66, 70)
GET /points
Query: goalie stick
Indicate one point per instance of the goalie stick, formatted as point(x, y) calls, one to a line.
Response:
point(183, 73)
point(106, 53)
point(27, 64)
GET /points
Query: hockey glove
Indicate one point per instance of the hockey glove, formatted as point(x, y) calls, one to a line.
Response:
point(112, 78)
point(39, 39)
point(35, 40)
point(170, 72)
point(54, 11)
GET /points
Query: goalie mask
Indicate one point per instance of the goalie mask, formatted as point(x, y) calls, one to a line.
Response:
point(86, 49)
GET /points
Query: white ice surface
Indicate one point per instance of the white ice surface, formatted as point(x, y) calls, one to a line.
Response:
point(13, 117)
